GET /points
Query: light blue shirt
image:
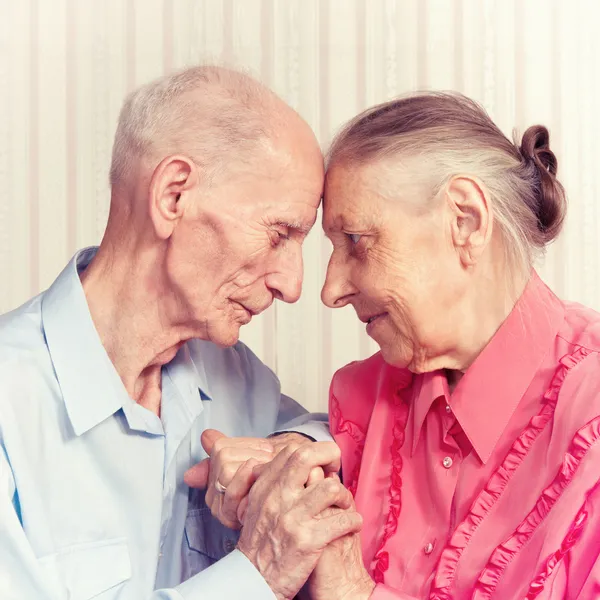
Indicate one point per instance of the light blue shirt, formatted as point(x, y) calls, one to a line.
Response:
point(92, 499)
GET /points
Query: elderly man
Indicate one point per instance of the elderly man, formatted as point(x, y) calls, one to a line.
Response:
point(109, 378)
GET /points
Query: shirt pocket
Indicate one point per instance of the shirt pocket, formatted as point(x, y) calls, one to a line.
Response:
point(95, 570)
point(207, 541)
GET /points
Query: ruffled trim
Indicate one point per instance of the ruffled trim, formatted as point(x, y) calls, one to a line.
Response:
point(575, 530)
point(502, 556)
point(381, 560)
point(357, 434)
point(493, 490)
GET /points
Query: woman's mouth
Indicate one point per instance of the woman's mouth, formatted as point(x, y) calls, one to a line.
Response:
point(372, 320)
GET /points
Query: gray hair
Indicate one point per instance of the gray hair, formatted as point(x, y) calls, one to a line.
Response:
point(450, 135)
point(214, 115)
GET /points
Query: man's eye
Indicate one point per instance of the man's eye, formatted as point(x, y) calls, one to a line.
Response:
point(354, 237)
point(283, 232)
point(278, 234)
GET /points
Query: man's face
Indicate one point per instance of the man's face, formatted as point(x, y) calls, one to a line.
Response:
point(239, 245)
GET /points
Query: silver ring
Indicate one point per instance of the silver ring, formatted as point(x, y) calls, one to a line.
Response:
point(220, 487)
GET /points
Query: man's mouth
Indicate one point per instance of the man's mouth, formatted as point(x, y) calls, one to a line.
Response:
point(252, 312)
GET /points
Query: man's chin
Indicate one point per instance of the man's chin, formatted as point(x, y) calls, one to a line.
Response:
point(226, 339)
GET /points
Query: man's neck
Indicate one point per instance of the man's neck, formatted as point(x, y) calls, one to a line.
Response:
point(127, 305)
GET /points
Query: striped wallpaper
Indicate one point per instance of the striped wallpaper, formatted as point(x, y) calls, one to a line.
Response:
point(65, 66)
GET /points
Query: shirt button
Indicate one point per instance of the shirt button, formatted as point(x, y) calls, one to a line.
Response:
point(229, 545)
point(447, 462)
point(448, 409)
point(428, 549)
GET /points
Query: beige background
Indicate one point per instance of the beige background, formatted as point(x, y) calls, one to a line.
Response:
point(65, 66)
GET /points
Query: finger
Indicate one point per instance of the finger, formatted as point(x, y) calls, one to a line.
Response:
point(292, 468)
point(295, 440)
point(237, 490)
point(324, 494)
point(216, 509)
point(239, 455)
point(242, 508)
point(242, 442)
point(318, 454)
point(197, 476)
point(258, 470)
point(317, 474)
point(226, 472)
point(337, 524)
point(208, 439)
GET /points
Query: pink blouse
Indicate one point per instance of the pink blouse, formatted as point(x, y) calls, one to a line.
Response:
point(492, 491)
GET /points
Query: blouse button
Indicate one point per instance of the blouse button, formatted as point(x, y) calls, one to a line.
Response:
point(428, 549)
point(447, 462)
point(448, 409)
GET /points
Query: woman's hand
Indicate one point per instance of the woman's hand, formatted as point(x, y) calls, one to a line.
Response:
point(289, 522)
point(340, 573)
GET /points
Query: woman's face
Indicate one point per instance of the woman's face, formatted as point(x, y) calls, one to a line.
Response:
point(394, 260)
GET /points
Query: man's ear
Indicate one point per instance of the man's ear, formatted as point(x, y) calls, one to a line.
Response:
point(170, 191)
point(471, 217)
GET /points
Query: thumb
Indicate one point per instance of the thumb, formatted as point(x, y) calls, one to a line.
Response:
point(197, 476)
point(241, 511)
point(208, 439)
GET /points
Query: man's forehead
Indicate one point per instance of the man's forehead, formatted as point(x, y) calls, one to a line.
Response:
point(299, 216)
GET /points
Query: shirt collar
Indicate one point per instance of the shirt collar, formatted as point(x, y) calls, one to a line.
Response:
point(428, 388)
point(91, 387)
point(490, 390)
point(189, 376)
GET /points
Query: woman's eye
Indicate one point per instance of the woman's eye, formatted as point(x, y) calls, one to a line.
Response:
point(354, 237)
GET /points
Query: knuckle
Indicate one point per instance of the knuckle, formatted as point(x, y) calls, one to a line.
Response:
point(219, 445)
point(288, 525)
point(228, 471)
point(348, 520)
point(287, 452)
point(304, 540)
point(214, 510)
point(336, 453)
point(344, 519)
point(232, 497)
point(250, 464)
point(300, 456)
point(331, 487)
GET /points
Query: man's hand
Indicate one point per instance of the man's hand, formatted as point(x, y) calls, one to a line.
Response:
point(285, 526)
point(340, 573)
point(228, 473)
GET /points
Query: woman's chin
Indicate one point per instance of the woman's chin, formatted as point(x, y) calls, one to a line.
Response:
point(394, 357)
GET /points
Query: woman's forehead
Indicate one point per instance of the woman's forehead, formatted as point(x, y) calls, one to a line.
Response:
point(350, 207)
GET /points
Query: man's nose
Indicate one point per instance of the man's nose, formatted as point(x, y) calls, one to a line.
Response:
point(286, 281)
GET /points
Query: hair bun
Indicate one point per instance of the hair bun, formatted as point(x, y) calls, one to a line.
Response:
point(551, 201)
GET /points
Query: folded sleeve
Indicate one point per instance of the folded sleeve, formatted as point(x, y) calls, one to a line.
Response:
point(383, 592)
point(294, 418)
point(233, 577)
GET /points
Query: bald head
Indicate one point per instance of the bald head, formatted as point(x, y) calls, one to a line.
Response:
point(215, 185)
point(216, 116)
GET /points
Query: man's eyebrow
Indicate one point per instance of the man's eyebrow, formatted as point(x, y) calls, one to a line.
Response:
point(297, 225)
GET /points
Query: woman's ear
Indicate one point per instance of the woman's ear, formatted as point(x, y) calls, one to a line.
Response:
point(171, 185)
point(471, 217)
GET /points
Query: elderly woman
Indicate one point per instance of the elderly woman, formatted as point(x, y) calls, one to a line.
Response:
point(470, 442)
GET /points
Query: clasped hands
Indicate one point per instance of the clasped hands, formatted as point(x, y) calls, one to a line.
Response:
point(299, 526)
